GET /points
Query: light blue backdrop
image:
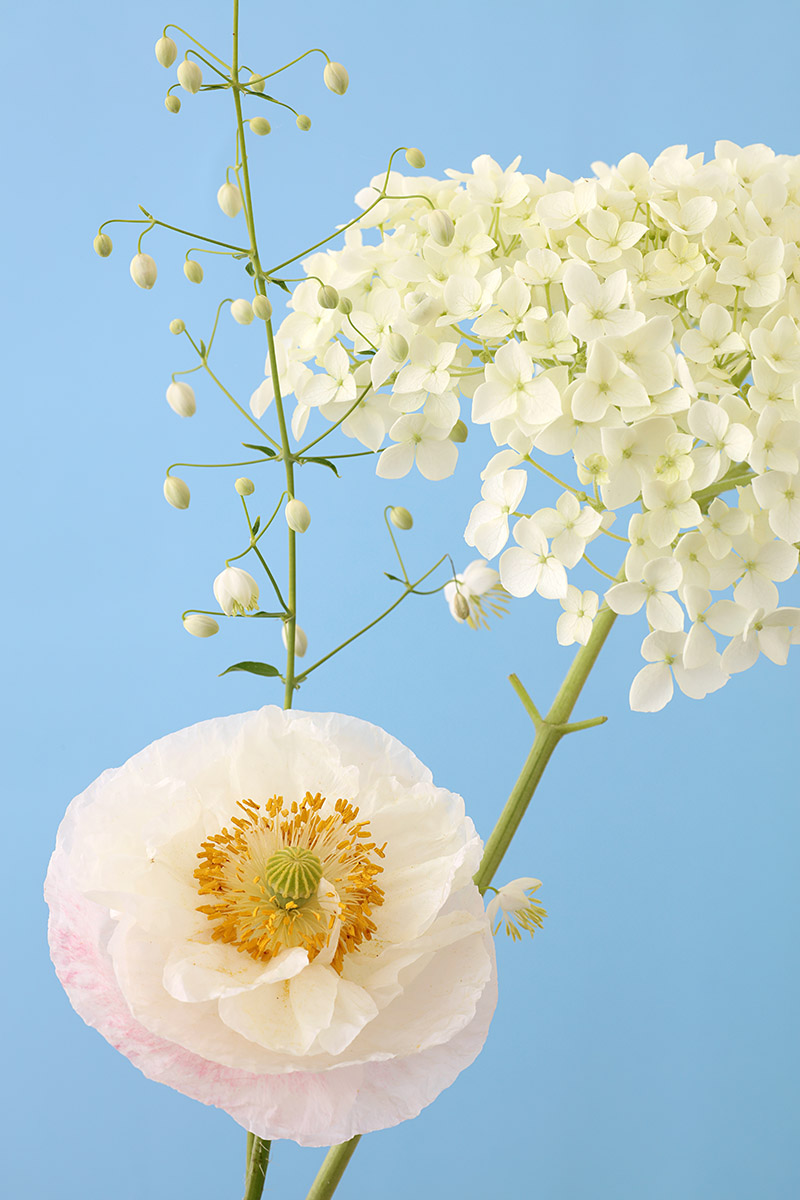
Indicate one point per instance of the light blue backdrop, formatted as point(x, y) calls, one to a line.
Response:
point(646, 1044)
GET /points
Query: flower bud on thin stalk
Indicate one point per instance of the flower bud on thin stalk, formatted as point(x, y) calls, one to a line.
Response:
point(166, 51)
point(190, 76)
point(177, 326)
point(236, 591)
point(229, 198)
point(260, 126)
point(336, 78)
point(257, 83)
point(297, 515)
point(441, 227)
point(180, 398)
point(303, 122)
point(461, 606)
point(200, 625)
point(176, 492)
point(262, 307)
point(300, 640)
point(398, 347)
point(345, 306)
point(193, 271)
point(327, 296)
point(143, 271)
point(400, 517)
point(242, 312)
point(172, 103)
point(103, 245)
point(415, 157)
point(244, 486)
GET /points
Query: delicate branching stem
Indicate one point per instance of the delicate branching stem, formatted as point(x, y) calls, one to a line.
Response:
point(322, 436)
point(332, 1169)
point(567, 486)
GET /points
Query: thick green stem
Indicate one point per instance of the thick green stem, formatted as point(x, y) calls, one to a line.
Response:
point(332, 1170)
point(549, 732)
point(257, 1163)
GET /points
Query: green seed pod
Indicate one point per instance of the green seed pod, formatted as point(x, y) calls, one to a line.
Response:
point(103, 245)
point(262, 307)
point(327, 296)
point(193, 271)
point(303, 122)
point(461, 606)
point(415, 157)
point(293, 872)
point(401, 518)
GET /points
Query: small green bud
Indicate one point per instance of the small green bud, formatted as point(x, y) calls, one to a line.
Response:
point(401, 518)
point(345, 306)
point(103, 245)
point(336, 78)
point(177, 325)
point(180, 398)
point(441, 227)
point(172, 103)
point(459, 432)
point(397, 346)
point(262, 307)
point(303, 122)
point(244, 486)
point(300, 640)
point(190, 76)
point(193, 271)
point(166, 51)
point(461, 606)
point(176, 492)
point(257, 83)
point(260, 125)
point(415, 157)
point(200, 625)
point(327, 296)
point(242, 312)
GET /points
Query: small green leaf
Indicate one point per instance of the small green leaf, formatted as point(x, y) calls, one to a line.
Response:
point(256, 524)
point(265, 614)
point(323, 462)
point(270, 453)
point(255, 668)
point(146, 213)
point(281, 283)
point(250, 269)
point(203, 350)
point(393, 578)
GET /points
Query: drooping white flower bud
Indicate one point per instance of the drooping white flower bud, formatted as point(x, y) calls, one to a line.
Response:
point(257, 82)
point(461, 606)
point(193, 271)
point(297, 515)
point(300, 640)
point(190, 76)
point(336, 78)
point(200, 625)
point(459, 432)
point(415, 157)
point(177, 326)
point(327, 296)
point(400, 517)
point(441, 227)
point(397, 346)
point(514, 904)
point(236, 591)
point(260, 125)
point(176, 492)
point(244, 486)
point(103, 245)
point(143, 271)
point(345, 306)
point(229, 198)
point(262, 307)
point(242, 311)
point(180, 398)
point(303, 122)
point(172, 103)
point(166, 51)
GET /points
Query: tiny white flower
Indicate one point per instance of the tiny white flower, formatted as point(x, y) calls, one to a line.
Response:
point(487, 529)
point(575, 623)
point(659, 577)
point(515, 907)
point(478, 588)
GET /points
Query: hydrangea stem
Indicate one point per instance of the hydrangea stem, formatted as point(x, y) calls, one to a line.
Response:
point(332, 1169)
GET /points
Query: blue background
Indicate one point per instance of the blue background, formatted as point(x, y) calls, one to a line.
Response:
point(646, 1044)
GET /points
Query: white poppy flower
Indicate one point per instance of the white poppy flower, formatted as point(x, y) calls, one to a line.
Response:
point(317, 966)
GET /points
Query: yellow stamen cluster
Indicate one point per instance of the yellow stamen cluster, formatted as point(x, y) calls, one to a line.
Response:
point(258, 870)
point(495, 599)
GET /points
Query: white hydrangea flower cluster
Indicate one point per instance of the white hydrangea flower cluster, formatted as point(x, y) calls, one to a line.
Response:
point(643, 328)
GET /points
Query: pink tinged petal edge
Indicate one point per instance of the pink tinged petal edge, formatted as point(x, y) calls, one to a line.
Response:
point(311, 1108)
